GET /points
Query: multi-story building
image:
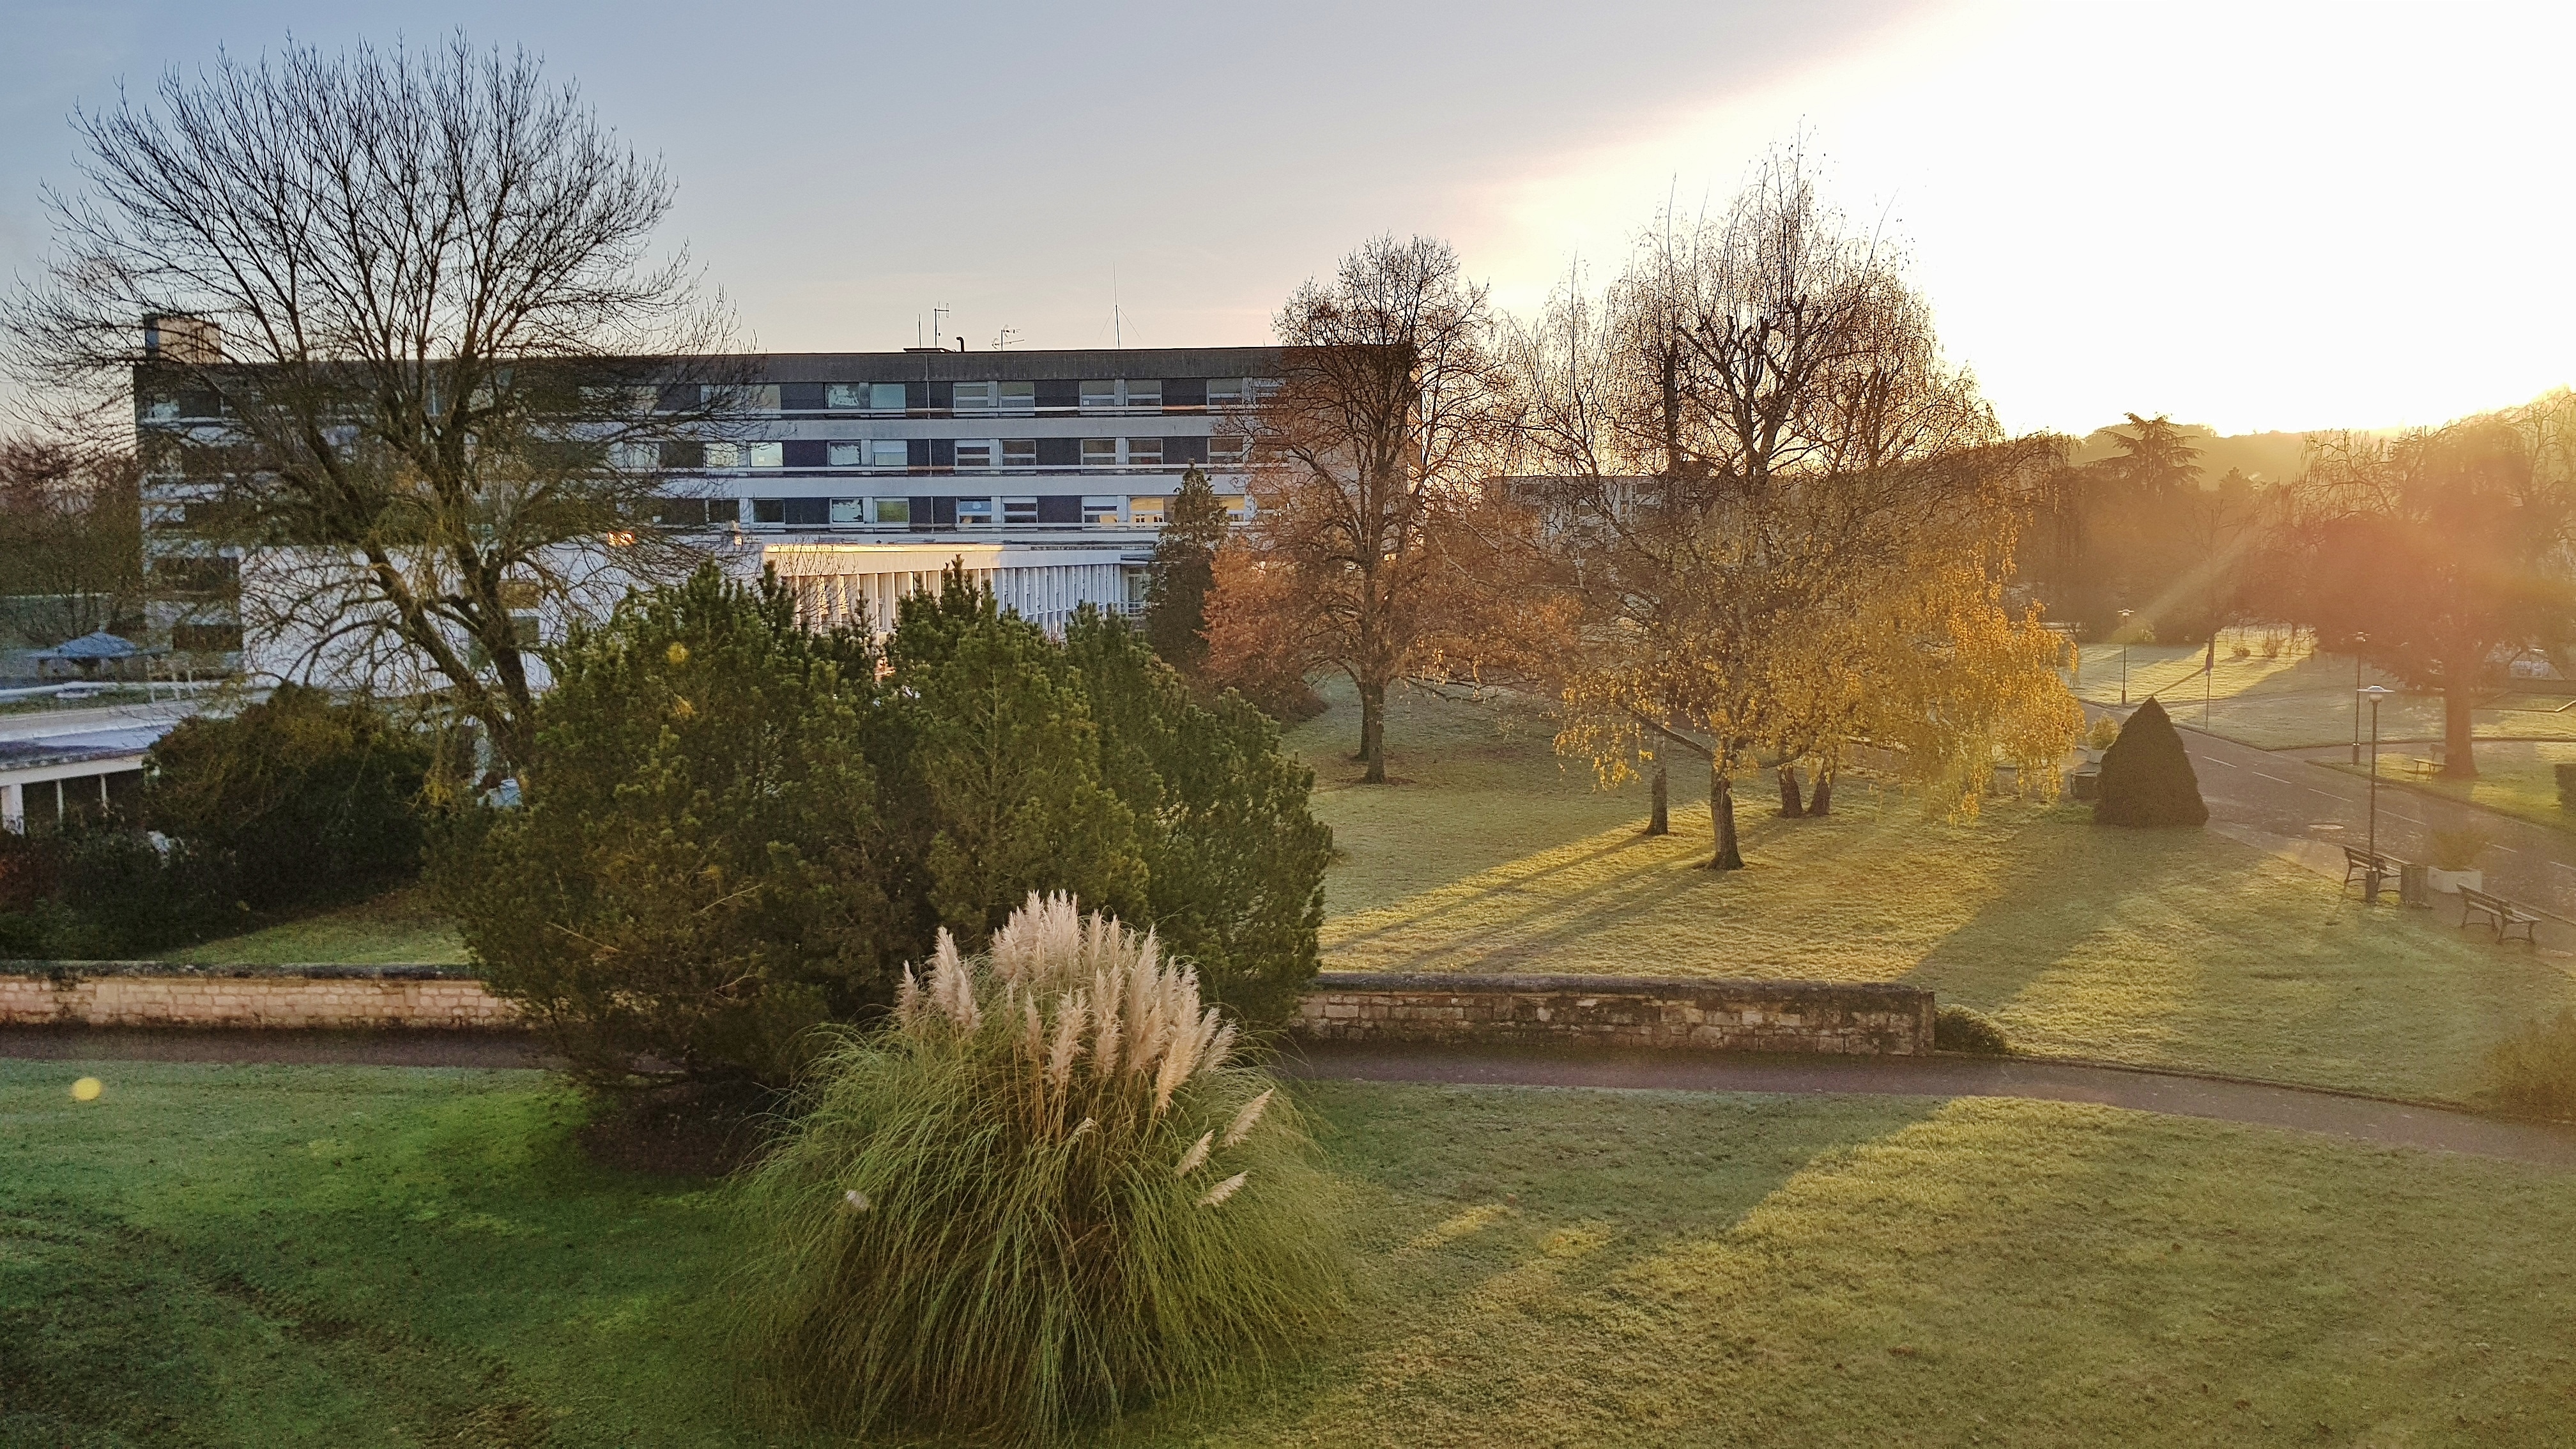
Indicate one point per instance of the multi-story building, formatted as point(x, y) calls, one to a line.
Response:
point(1044, 474)
point(858, 476)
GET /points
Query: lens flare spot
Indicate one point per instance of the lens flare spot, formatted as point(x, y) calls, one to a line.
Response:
point(87, 1089)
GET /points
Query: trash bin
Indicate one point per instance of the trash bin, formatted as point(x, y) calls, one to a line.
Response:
point(2414, 887)
point(2086, 783)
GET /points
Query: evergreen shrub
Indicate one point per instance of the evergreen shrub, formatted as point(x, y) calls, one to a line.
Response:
point(2147, 779)
point(1046, 1192)
point(303, 798)
point(1961, 1029)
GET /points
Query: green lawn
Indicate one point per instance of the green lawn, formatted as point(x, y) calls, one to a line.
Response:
point(2296, 699)
point(400, 928)
point(2514, 776)
point(278, 1256)
point(2180, 949)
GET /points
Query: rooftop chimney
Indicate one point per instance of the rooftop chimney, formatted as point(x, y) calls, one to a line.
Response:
point(189, 341)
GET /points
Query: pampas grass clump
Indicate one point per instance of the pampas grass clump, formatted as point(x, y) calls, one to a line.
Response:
point(1045, 1193)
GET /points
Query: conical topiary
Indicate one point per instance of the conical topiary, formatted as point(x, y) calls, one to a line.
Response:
point(2146, 778)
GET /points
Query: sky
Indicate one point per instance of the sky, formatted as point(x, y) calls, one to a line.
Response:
point(2249, 215)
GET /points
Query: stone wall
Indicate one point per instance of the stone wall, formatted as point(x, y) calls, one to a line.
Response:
point(1842, 1018)
point(159, 993)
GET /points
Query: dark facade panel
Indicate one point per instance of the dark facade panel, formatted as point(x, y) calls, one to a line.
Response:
point(678, 397)
point(1185, 450)
point(916, 452)
point(1059, 392)
point(800, 397)
point(943, 512)
point(1059, 452)
point(1183, 394)
point(808, 512)
point(1059, 508)
point(805, 453)
point(943, 452)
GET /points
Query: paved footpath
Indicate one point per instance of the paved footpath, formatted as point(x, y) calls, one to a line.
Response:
point(2363, 1119)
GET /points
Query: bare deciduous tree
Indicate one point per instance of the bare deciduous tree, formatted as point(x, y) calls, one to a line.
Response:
point(412, 297)
point(71, 551)
point(1385, 413)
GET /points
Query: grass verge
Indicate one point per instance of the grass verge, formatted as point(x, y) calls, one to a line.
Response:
point(333, 1255)
point(394, 929)
point(2159, 948)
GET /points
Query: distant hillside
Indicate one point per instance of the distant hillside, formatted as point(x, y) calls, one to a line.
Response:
point(2261, 457)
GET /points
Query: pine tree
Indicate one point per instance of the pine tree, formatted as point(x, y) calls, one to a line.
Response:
point(693, 874)
point(1184, 570)
point(2147, 779)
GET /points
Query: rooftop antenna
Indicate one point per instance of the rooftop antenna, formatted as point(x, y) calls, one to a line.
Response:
point(938, 321)
point(1117, 325)
point(1003, 339)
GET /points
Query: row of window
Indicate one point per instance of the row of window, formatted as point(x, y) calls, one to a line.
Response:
point(1055, 395)
point(912, 512)
point(960, 454)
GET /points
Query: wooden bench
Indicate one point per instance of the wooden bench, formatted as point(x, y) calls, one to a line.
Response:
point(2422, 769)
point(2357, 861)
point(2502, 914)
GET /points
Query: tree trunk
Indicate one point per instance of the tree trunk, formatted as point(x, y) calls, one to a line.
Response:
point(2459, 760)
point(1820, 801)
point(1721, 816)
point(1791, 806)
point(1373, 734)
point(1661, 821)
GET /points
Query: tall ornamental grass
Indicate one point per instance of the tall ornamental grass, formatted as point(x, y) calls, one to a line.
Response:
point(1046, 1192)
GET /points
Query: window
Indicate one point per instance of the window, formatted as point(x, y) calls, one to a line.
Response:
point(890, 510)
point(1099, 393)
point(1144, 452)
point(972, 397)
point(849, 455)
point(1145, 393)
point(724, 455)
point(1226, 448)
point(1018, 397)
point(1102, 510)
point(1224, 392)
point(850, 395)
point(885, 397)
point(849, 510)
point(888, 453)
point(1019, 510)
point(974, 511)
point(1145, 510)
point(768, 510)
point(1100, 452)
point(975, 453)
point(1019, 452)
point(680, 512)
point(760, 455)
point(1237, 507)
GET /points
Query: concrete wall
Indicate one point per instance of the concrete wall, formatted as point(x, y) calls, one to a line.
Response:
point(1841, 1018)
point(152, 993)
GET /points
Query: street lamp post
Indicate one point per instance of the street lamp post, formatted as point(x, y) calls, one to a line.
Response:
point(2124, 656)
point(2357, 641)
point(2370, 877)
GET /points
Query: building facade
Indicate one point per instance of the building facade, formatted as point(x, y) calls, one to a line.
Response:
point(858, 477)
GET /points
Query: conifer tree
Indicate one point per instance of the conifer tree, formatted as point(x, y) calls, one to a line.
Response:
point(2147, 779)
point(1184, 571)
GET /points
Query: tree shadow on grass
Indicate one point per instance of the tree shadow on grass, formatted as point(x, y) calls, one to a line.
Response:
point(1497, 1224)
point(2065, 889)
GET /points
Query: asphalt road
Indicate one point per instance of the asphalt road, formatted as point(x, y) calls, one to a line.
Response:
point(2282, 795)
